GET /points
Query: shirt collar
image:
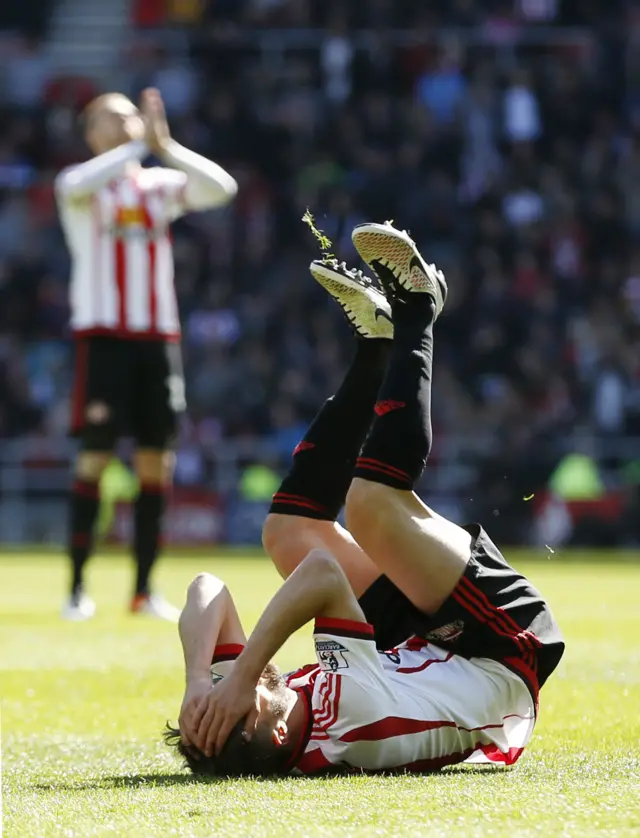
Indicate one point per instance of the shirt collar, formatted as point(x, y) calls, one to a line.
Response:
point(304, 695)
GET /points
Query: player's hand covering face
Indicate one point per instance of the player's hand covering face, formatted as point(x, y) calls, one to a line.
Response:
point(217, 712)
point(195, 693)
point(237, 697)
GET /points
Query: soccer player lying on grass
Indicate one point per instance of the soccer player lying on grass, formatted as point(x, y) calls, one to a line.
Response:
point(467, 640)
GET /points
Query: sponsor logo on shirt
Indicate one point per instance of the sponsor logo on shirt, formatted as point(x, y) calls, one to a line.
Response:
point(135, 223)
point(331, 655)
point(130, 215)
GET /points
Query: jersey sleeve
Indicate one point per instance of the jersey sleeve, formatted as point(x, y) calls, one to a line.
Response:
point(80, 182)
point(207, 185)
point(172, 185)
point(347, 648)
point(224, 656)
point(351, 689)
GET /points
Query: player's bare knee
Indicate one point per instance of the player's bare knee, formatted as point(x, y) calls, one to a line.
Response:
point(90, 465)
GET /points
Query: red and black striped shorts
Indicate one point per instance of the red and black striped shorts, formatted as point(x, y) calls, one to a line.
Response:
point(493, 612)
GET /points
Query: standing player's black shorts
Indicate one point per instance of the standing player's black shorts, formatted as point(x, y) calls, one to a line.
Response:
point(127, 388)
point(493, 612)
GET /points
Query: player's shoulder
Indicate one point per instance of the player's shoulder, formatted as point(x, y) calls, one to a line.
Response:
point(305, 676)
point(62, 180)
point(63, 174)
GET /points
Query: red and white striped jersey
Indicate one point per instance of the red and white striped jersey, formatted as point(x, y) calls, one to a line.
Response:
point(116, 216)
point(414, 708)
point(122, 275)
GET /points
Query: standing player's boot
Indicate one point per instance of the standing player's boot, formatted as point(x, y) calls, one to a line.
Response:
point(396, 261)
point(155, 605)
point(78, 607)
point(365, 306)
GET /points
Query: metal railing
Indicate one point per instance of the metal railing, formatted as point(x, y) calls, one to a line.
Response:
point(36, 475)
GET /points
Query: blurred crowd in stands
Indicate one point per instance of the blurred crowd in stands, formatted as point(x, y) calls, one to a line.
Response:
point(505, 142)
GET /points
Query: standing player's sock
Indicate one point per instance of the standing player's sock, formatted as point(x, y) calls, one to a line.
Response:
point(84, 511)
point(148, 513)
point(317, 483)
point(400, 440)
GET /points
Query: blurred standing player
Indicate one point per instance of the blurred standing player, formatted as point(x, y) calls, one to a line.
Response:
point(128, 380)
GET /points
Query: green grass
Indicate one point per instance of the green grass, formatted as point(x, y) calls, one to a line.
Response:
point(83, 706)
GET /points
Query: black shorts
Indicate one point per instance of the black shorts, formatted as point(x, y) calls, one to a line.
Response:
point(127, 388)
point(493, 612)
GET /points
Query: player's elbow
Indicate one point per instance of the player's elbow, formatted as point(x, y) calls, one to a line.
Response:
point(226, 191)
point(230, 188)
point(205, 583)
point(210, 196)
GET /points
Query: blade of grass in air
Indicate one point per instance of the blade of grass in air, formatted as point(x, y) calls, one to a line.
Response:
point(323, 241)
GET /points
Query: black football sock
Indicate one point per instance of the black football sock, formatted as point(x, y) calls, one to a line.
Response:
point(85, 502)
point(398, 446)
point(320, 475)
point(148, 512)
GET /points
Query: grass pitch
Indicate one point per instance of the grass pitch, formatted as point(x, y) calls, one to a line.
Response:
point(83, 706)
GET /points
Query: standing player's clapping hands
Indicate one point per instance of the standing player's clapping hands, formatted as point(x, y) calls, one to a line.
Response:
point(157, 134)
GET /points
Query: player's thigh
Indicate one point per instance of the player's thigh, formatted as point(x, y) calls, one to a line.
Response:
point(89, 464)
point(160, 396)
point(421, 552)
point(154, 465)
point(101, 387)
point(288, 539)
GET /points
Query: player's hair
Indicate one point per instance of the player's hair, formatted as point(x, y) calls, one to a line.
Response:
point(258, 757)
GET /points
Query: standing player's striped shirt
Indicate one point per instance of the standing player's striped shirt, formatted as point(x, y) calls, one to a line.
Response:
point(116, 216)
point(414, 708)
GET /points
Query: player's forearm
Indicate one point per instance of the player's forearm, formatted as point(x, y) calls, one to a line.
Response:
point(200, 624)
point(84, 180)
point(208, 185)
point(314, 589)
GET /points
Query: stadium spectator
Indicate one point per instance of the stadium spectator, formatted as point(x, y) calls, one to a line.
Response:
point(514, 164)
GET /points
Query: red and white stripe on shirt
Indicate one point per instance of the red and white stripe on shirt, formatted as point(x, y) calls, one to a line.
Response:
point(122, 280)
point(413, 708)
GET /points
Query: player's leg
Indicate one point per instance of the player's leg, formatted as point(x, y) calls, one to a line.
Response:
point(464, 594)
point(422, 553)
point(154, 468)
point(304, 510)
point(157, 404)
point(95, 421)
